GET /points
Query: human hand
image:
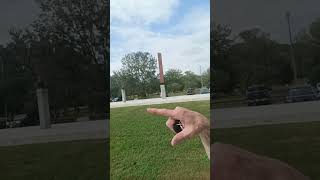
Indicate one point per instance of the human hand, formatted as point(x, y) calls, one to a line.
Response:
point(230, 162)
point(193, 122)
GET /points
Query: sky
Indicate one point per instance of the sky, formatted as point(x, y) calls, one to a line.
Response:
point(179, 30)
point(269, 15)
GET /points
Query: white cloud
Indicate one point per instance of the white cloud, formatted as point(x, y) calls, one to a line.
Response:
point(142, 11)
point(185, 45)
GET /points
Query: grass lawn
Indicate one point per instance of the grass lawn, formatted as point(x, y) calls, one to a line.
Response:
point(75, 160)
point(140, 146)
point(298, 144)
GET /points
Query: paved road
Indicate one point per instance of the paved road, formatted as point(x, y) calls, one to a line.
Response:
point(141, 102)
point(269, 114)
point(58, 132)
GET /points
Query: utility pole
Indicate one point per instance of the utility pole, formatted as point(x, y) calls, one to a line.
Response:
point(2, 79)
point(293, 62)
point(201, 77)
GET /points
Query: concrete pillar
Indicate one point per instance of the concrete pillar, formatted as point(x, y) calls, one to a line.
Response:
point(163, 91)
point(123, 92)
point(43, 107)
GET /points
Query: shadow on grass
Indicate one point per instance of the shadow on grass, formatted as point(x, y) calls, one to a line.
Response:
point(74, 160)
point(297, 144)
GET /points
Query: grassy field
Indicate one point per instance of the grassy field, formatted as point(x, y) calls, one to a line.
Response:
point(140, 146)
point(297, 144)
point(76, 160)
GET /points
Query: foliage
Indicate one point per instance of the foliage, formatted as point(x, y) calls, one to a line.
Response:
point(174, 80)
point(137, 75)
point(65, 48)
point(191, 80)
point(206, 78)
point(82, 25)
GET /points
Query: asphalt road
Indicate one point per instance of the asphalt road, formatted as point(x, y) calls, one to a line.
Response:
point(141, 102)
point(267, 114)
point(58, 132)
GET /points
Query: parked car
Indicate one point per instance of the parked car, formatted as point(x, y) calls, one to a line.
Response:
point(318, 87)
point(32, 119)
point(213, 94)
point(116, 99)
point(302, 93)
point(17, 121)
point(3, 123)
point(204, 90)
point(258, 95)
point(190, 91)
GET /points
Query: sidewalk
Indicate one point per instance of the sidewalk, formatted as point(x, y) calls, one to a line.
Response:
point(174, 99)
point(58, 132)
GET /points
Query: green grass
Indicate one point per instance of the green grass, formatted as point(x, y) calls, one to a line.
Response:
point(298, 144)
point(75, 160)
point(140, 146)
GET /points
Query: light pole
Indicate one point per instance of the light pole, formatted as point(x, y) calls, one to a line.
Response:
point(201, 77)
point(3, 79)
point(293, 62)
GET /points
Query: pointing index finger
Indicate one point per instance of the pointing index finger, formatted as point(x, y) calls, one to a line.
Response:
point(161, 112)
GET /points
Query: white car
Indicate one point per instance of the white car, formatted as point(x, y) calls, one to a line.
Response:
point(318, 87)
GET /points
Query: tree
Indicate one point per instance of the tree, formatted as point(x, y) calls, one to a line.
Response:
point(206, 78)
point(252, 58)
point(62, 47)
point(221, 62)
point(81, 24)
point(314, 75)
point(221, 80)
point(174, 80)
point(221, 44)
point(121, 80)
point(314, 32)
point(139, 71)
point(191, 80)
point(16, 83)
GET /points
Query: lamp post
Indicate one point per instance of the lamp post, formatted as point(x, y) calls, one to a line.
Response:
point(201, 77)
point(3, 79)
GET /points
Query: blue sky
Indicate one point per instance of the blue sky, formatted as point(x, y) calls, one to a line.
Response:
point(180, 30)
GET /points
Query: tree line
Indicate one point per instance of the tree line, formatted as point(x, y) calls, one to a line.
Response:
point(65, 50)
point(138, 76)
point(252, 57)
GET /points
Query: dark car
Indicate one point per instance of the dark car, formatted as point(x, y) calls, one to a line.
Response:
point(190, 91)
point(258, 95)
point(302, 93)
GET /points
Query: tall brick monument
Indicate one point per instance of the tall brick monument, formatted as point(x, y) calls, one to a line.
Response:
point(162, 85)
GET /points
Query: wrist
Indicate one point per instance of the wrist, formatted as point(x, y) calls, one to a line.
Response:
point(205, 126)
point(205, 137)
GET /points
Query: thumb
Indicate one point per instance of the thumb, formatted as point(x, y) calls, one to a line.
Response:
point(178, 138)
